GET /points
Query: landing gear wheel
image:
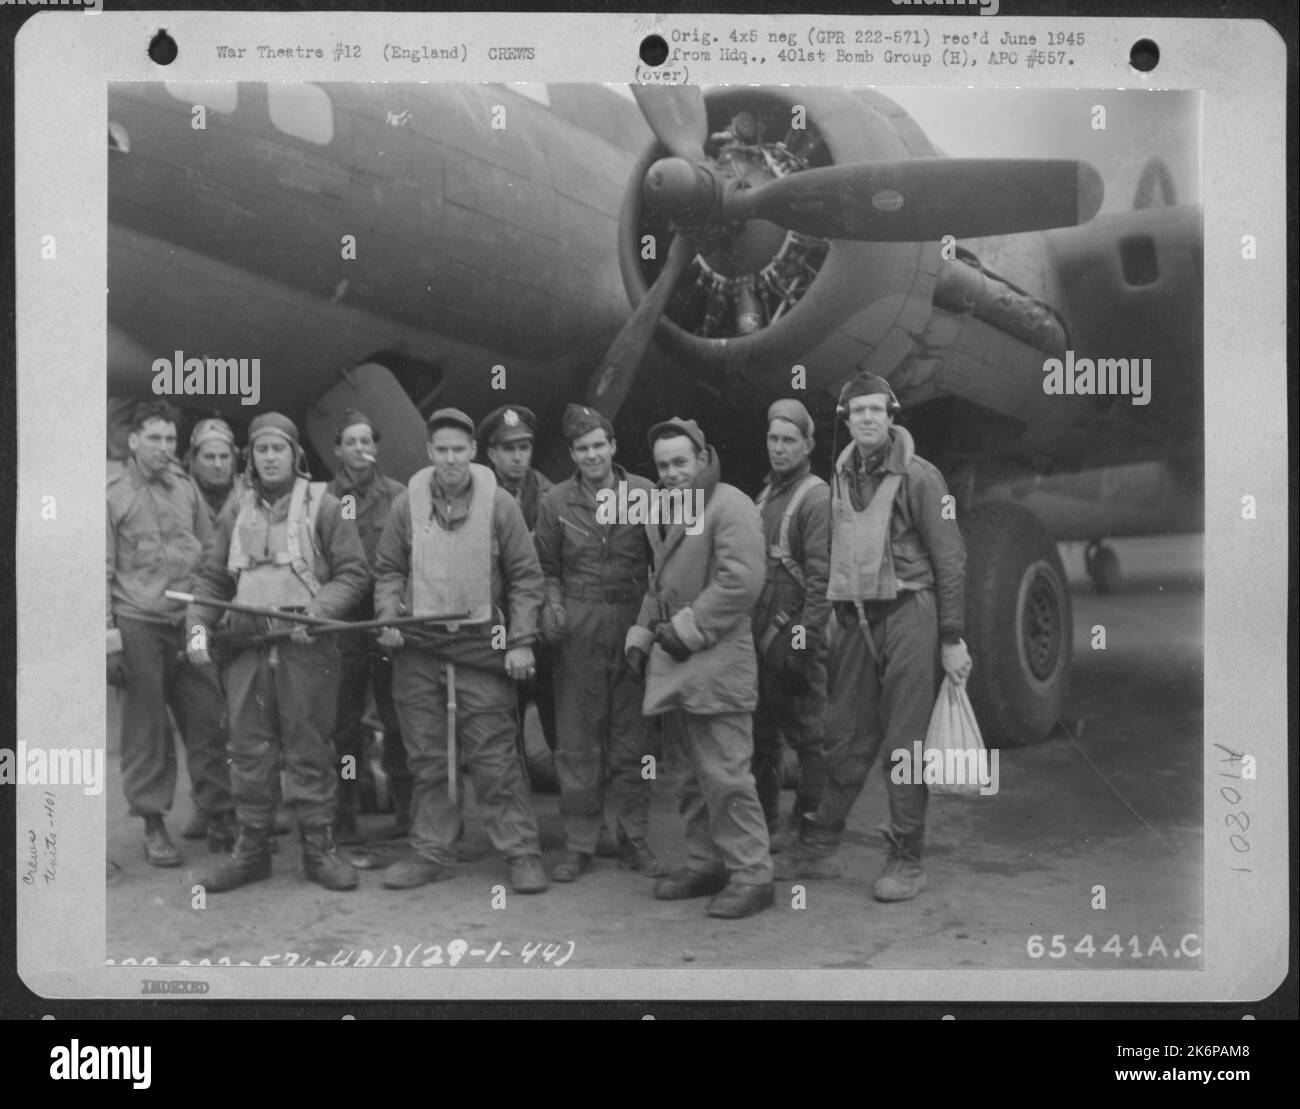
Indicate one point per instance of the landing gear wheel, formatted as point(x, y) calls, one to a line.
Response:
point(1019, 627)
point(1102, 564)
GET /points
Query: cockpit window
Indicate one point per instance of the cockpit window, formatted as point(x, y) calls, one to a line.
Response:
point(302, 110)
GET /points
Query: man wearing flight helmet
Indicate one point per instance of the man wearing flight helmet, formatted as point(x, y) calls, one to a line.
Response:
point(897, 587)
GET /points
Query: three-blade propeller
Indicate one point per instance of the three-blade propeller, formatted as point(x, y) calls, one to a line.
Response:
point(900, 200)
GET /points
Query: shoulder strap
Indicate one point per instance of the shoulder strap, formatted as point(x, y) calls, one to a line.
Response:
point(782, 548)
point(304, 506)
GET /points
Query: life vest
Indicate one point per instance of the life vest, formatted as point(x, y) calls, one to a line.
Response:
point(270, 560)
point(781, 548)
point(451, 571)
point(862, 560)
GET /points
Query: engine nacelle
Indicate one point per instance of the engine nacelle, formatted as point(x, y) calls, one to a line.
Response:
point(757, 297)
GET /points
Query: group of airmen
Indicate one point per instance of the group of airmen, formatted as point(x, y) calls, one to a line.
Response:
point(818, 614)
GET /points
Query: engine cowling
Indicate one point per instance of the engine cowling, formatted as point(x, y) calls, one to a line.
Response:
point(756, 296)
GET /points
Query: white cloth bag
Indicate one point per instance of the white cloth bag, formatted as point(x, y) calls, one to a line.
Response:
point(955, 735)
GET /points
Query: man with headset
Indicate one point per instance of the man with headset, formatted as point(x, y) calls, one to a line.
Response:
point(897, 588)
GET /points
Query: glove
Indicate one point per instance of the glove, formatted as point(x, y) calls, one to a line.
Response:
point(636, 662)
point(552, 624)
point(667, 638)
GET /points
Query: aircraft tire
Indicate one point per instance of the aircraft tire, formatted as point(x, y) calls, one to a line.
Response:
point(1019, 627)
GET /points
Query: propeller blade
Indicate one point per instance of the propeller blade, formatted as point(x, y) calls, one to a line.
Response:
point(623, 359)
point(676, 115)
point(919, 199)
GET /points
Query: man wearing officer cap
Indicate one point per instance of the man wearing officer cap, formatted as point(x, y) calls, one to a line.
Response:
point(791, 616)
point(456, 543)
point(367, 496)
point(285, 544)
point(897, 585)
point(693, 639)
point(506, 435)
point(596, 575)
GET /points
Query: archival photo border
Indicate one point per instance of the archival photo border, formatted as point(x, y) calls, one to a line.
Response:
point(335, 264)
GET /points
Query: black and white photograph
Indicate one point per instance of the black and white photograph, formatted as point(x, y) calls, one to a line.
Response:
point(672, 525)
point(553, 275)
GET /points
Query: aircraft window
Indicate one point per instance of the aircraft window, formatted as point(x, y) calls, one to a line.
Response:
point(1138, 257)
point(538, 93)
point(301, 110)
point(219, 96)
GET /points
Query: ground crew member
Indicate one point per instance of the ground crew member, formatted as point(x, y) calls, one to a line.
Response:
point(211, 463)
point(897, 583)
point(596, 571)
point(790, 618)
point(694, 627)
point(506, 434)
point(367, 496)
point(285, 544)
point(456, 542)
point(155, 535)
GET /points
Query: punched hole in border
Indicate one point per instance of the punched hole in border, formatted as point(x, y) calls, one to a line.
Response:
point(163, 48)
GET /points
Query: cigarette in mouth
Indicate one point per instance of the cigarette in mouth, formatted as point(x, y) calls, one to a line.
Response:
point(368, 457)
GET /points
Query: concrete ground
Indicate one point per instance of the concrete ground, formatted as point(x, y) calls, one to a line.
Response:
point(1117, 805)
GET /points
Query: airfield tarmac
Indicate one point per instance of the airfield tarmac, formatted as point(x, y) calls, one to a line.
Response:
point(1118, 804)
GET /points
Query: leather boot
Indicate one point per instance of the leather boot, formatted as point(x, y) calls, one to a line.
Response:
point(902, 879)
point(321, 861)
point(250, 861)
point(682, 884)
point(636, 854)
point(737, 901)
point(158, 847)
point(573, 864)
point(222, 832)
point(815, 854)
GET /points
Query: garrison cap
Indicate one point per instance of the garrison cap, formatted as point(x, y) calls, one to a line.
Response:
point(678, 426)
point(579, 420)
point(451, 417)
point(506, 424)
point(351, 418)
point(793, 412)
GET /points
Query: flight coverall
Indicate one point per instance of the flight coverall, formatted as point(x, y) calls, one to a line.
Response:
point(705, 585)
point(363, 663)
point(540, 689)
point(596, 577)
point(155, 536)
point(485, 695)
point(792, 680)
point(885, 695)
point(282, 695)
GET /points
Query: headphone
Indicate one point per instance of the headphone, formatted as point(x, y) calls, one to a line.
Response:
point(892, 407)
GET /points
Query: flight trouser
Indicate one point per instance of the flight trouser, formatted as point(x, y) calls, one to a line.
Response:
point(540, 691)
point(158, 676)
point(282, 701)
point(709, 757)
point(887, 702)
point(361, 666)
point(485, 735)
point(603, 736)
point(799, 719)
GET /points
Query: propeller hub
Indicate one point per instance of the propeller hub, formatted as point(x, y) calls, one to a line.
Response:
point(681, 191)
